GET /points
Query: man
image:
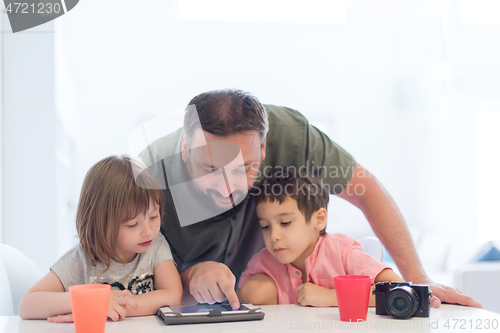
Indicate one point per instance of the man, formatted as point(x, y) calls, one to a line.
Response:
point(228, 140)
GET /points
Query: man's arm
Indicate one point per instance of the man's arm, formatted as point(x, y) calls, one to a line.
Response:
point(390, 227)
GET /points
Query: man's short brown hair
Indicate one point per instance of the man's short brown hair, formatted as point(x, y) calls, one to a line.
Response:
point(225, 112)
point(287, 182)
point(115, 189)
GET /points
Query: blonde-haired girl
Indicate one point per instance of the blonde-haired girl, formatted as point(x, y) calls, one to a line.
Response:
point(118, 222)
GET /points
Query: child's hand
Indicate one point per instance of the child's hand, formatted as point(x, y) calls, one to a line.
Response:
point(118, 300)
point(311, 294)
point(68, 318)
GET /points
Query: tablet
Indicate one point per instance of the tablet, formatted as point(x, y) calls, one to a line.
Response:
point(206, 313)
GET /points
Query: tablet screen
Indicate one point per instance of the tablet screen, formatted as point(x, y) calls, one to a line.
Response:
point(205, 308)
point(205, 313)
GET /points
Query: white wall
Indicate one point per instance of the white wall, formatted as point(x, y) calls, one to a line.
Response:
point(1, 140)
point(28, 134)
point(399, 97)
point(38, 175)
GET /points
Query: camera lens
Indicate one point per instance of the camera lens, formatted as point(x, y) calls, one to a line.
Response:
point(402, 302)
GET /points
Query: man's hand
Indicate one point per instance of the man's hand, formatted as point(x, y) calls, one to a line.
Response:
point(211, 282)
point(442, 293)
point(118, 300)
point(313, 295)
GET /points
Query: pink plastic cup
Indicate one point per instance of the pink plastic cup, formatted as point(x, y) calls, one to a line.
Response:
point(89, 305)
point(353, 295)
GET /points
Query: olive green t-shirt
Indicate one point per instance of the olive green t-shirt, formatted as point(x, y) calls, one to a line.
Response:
point(234, 239)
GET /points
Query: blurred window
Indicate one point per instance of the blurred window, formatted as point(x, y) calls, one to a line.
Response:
point(281, 11)
point(488, 175)
point(480, 11)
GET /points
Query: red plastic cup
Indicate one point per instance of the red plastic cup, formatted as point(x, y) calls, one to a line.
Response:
point(89, 305)
point(353, 295)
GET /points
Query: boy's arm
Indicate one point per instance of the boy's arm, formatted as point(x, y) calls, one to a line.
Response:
point(259, 289)
point(45, 299)
point(309, 294)
point(168, 291)
point(386, 275)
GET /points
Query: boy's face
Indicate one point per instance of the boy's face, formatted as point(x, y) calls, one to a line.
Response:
point(286, 234)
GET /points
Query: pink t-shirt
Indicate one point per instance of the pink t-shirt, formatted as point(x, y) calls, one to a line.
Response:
point(334, 254)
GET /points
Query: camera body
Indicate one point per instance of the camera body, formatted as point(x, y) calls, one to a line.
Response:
point(402, 300)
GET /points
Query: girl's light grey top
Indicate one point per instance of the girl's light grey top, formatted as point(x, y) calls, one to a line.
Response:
point(137, 276)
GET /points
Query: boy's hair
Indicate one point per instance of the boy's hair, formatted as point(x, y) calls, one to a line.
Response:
point(110, 196)
point(285, 182)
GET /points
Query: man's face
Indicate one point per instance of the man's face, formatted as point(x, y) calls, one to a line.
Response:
point(224, 168)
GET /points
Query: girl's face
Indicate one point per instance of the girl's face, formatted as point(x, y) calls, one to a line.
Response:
point(137, 234)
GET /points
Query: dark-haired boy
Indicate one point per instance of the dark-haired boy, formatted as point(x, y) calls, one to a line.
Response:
point(300, 259)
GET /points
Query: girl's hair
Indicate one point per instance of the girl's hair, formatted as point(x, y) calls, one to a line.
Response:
point(115, 189)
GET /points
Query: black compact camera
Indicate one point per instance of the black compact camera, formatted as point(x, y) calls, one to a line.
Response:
point(402, 299)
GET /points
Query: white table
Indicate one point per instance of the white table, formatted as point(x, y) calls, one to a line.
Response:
point(290, 318)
